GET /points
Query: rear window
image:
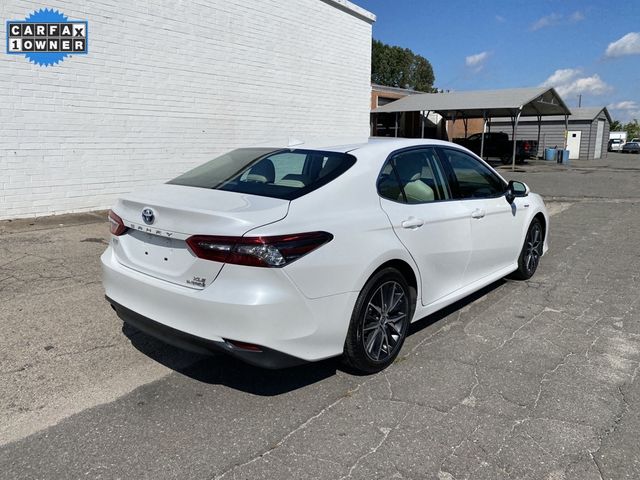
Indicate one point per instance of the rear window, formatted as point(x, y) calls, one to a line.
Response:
point(267, 172)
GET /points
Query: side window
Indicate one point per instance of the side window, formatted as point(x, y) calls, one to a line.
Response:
point(413, 176)
point(470, 178)
point(288, 163)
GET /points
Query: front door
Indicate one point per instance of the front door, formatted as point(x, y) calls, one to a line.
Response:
point(496, 225)
point(573, 143)
point(435, 229)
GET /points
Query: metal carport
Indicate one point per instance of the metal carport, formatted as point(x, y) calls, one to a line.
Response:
point(486, 104)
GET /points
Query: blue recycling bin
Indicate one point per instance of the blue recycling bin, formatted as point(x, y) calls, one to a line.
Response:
point(550, 154)
point(564, 156)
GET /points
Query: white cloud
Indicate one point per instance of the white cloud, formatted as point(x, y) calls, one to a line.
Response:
point(500, 19)
point(556, 19)
point(561, 76)
point(569, 82)
point(576, 16)
point(546, 21)
point(627, 45)
point(624, 105)
point(476, 62)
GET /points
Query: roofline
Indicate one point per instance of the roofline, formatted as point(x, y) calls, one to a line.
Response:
point(352, 9)
point(576, 112)
point(606, 112)
point(386, 88)
point(540, 91)
point(564, 105)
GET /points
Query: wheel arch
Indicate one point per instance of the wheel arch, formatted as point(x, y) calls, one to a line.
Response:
point(543, 221)
point(409, 274)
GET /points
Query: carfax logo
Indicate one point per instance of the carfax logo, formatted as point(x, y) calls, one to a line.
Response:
point(46, 37)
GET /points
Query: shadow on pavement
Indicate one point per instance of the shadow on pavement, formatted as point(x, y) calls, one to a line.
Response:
point(221, 369)
point(225, 370)
point(424, 322)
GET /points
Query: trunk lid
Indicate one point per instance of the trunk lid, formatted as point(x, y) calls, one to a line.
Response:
point(162, 218)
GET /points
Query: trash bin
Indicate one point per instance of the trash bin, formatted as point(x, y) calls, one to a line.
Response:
point(564, 156)
point(550, 154)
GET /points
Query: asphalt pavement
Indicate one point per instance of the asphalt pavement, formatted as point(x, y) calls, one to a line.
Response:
point(531, 379)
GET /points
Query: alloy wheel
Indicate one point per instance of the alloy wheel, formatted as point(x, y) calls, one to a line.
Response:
point(533, 248)
point(385, 321)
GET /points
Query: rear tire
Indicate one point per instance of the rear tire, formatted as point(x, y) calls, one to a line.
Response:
point(379, 322)
point(531, 252)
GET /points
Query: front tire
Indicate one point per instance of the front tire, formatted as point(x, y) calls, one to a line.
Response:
point(531, 252)
point(379, 322)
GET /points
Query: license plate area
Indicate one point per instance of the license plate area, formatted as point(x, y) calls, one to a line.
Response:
point(165, 257)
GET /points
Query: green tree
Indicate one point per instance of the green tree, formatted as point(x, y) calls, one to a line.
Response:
point(615, 126)
point(399, 67)
point(633, 129)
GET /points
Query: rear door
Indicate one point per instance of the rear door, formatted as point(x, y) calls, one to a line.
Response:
point(434, 229)
point(496, 226)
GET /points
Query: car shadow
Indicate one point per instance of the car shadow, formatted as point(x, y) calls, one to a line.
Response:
point(220, 369)
point(429, 320)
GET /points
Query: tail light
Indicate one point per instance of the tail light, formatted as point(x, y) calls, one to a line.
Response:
point(527, 147)
point(276, 251)
point(116, 225)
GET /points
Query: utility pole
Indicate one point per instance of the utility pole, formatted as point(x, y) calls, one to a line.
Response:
point(579, 100)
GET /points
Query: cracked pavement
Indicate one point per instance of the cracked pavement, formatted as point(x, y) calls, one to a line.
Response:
point(532, 379)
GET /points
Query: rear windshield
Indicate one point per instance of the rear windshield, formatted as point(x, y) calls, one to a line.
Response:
point(268, 172)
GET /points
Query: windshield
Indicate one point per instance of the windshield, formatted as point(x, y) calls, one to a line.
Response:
point(268, 172)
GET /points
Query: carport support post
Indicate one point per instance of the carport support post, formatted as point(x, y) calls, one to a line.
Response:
point(538, 143)
point(422, 124)
point(396, 129)
point(515, 133)
point(566, 131)
point(484, 127)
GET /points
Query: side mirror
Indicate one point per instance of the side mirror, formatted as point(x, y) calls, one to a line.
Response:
point(516, 189)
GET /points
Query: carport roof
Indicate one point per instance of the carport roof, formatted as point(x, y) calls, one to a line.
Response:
point(475, 104)
point(584, 114)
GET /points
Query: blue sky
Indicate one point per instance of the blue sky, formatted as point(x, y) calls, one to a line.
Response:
point(579, 47)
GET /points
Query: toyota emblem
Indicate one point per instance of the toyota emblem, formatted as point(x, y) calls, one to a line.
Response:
point(148, 216)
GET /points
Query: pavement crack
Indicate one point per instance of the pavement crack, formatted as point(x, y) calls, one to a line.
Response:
point(455, 449)
point(545, 376)
point(385, 432)
point(288, 435)
point(597, 464)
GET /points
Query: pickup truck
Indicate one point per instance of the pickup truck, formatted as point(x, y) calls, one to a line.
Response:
point(497, 144)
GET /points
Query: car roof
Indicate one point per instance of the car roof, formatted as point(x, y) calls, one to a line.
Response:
point(373, 144)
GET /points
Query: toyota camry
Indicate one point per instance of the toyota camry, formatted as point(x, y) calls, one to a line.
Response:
point(280, 256)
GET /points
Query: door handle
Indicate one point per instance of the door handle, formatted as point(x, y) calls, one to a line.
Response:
point(478, 213)
point(412, 222)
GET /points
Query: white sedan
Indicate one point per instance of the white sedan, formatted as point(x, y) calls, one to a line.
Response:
point(280, 256)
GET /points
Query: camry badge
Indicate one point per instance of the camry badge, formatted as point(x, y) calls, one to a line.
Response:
point(148, 216)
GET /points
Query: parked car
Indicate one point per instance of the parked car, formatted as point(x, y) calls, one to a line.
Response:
point(631, 147)
point(615, 145)
point(498, 145)
point(279, 256)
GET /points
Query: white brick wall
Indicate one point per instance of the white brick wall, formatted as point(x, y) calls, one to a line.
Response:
point(168, 84)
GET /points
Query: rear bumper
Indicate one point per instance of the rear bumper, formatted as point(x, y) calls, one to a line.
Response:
point(265, 358)
point(254, 305)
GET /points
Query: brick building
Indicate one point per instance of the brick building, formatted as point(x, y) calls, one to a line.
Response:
point(167, 85)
